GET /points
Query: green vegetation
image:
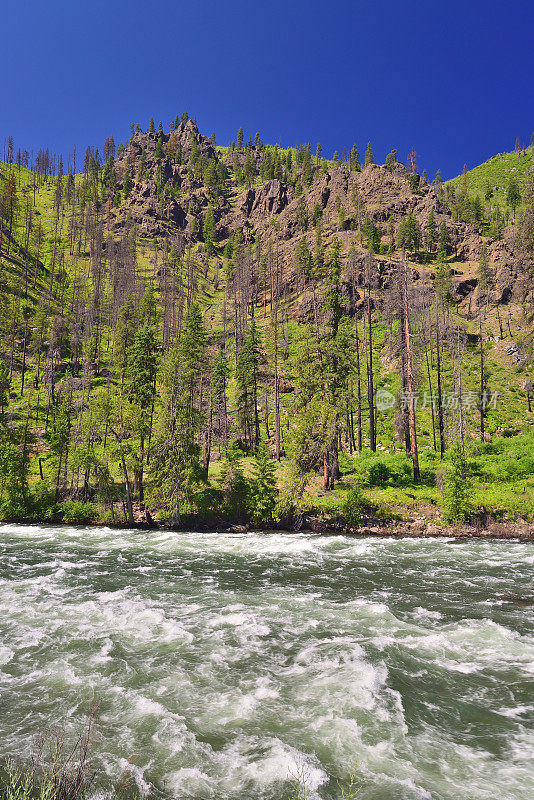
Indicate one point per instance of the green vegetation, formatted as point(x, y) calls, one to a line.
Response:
point(491, 180)
point(217, 370)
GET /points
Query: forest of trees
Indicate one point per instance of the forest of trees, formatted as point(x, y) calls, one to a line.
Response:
point(205, 373)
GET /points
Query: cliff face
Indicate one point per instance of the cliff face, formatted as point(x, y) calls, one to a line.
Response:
point(170, 197)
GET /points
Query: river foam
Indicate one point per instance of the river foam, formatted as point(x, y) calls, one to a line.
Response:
point(226, 666)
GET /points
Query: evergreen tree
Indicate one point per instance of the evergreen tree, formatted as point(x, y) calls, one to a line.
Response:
point(431, 231)
point(247, 363)
point(333, 302)
point(127, 183)
point(151, 126)
point(239, 142)
point(141, 390)
point(409, 233)
point(303, 258)
point(369, 158)
point(513, 195)
point(192, 350)
point(484, 272)
point(354, 160)
point(391, 160)
point(262, 492)
point(443, 238)
point(209, 231)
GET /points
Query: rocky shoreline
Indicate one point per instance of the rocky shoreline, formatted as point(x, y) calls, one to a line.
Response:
point(419, 528)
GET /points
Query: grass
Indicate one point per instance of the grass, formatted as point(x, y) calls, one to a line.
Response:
point(497, 173)
point(56, 771)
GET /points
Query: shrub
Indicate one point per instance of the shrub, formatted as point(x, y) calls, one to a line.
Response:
point(378, 474)
point(76, 513)
point(353, 505)
point(458, 491)
point(57, 772)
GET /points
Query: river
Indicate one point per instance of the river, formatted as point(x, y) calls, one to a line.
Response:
point(225, 665)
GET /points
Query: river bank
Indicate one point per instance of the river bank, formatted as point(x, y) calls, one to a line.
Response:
point(418, 527)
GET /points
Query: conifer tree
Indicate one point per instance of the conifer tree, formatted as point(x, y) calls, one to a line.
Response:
point(209, 230)
point(262, 492)
point(128, 182)
point(431, 231)
point(391, 160)
point(443, 238)
point(247, 363)
point(513, 195)
point(369, 158)
point(355, 159)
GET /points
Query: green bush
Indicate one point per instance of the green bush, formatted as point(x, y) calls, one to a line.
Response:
point(43, 503)
point(76, 513)
point(353, 505)
point(378, 474)
point(458, 491)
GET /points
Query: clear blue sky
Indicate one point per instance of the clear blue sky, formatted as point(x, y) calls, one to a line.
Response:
point(452, 78)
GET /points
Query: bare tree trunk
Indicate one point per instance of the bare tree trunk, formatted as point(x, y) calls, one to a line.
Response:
point(482, 384)
point(409, 376)
point(440, 398)
point(370, 381)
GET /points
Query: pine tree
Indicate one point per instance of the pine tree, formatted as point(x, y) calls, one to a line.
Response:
point(391, 160)
point(262, 492)
point(431, 231)
point(239, 142)
point(249, 168)
point(151, 126)
point(443, 238)
point(303, 258)
point(484, 273)
point(141, 389)
point(192, 349)
point(247, 363)
point(355, 159)
point(369, 158)
point(513, 195)
point(127, 183)
point(209, 231)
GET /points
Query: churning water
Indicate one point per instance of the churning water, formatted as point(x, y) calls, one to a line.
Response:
point(226, 664)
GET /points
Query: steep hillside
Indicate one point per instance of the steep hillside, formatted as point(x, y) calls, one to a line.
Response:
point(491, 180)
point(201, 330)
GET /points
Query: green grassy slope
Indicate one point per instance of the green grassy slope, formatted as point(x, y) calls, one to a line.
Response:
point(496, 173)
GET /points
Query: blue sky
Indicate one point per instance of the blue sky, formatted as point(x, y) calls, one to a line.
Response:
point(453, 79)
